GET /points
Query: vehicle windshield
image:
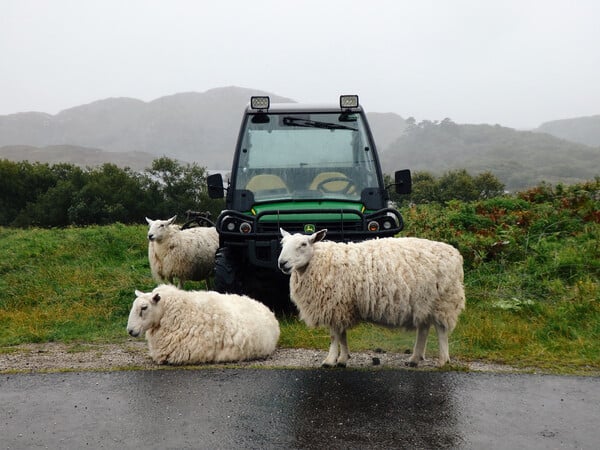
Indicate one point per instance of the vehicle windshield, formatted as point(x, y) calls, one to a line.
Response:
point(305, 156)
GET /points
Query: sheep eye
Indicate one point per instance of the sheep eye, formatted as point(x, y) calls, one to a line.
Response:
point(303, 244)
point(143, 308)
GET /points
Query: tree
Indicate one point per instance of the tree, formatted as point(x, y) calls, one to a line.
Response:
point(488, 185)
point(111, 194)
point(182, 187)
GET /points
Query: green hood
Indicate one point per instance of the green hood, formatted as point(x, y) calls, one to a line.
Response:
point(316, 216)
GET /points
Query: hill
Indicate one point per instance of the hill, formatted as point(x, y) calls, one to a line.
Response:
point(79, 156)
point(193, 127)
point(203, 127)
point(585, 130)
point(519, 159)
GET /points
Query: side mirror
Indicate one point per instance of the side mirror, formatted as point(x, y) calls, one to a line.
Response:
point(215, 186)
point(403, 181)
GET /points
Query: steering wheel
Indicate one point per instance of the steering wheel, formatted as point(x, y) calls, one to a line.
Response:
point(349, 187)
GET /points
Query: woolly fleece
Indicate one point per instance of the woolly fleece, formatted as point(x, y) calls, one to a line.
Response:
point(181, 254)
point(187, 327)
point(407, 282)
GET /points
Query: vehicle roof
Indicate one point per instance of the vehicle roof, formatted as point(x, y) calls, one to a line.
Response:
point(304, 107)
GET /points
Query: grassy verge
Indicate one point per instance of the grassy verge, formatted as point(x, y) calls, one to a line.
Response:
point(532, 276)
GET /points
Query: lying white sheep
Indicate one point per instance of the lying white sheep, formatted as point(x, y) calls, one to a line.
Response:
point(406, 282)
point(181, 254)
point(187, 327)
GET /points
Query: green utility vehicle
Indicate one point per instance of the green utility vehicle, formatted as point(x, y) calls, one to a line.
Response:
point(302, 168)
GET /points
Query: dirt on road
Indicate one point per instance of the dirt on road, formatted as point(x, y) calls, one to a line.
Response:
point(133, 355)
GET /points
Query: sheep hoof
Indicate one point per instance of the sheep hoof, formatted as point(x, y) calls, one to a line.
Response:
point(340, 364)
point(327, 365)
point(412, 364)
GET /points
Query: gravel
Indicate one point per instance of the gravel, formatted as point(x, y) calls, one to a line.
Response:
point(133, 355)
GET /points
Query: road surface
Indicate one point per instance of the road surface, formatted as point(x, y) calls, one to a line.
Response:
point(275, 408)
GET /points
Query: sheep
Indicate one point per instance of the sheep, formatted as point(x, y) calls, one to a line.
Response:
point(183, 254)
point(398, 282)
point(188, 327)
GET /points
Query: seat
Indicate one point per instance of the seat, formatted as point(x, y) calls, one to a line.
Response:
point(339, 182)
point(266, 182)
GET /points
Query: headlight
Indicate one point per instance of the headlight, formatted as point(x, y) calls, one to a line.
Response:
point(260, 102)
point(348, 101)
point(233, 224)
point(245, 227)
point(373, 226)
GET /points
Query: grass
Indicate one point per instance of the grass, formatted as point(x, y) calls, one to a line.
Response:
point(532, 278)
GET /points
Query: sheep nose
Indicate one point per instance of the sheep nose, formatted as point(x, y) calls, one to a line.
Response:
point(132, 333)
point(282, 266)
point(150, 237)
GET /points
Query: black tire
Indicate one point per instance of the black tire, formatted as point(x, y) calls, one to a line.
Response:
point(270, 287)
point(236, 276)
point(227, 277)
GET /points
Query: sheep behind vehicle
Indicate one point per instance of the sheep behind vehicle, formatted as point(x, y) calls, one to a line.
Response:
point(405, 282)
point(181, 254)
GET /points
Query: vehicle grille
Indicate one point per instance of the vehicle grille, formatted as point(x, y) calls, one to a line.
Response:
point(294, 227)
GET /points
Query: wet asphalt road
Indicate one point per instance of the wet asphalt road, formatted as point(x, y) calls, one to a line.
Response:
point(231, 408)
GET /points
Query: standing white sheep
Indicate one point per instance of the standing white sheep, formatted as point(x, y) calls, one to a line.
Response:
point(405, 282)
point(187, 327)
point(181, 254)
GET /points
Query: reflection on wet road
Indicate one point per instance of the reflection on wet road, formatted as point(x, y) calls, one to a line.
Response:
point(298, 409)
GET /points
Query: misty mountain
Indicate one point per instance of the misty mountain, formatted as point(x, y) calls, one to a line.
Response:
point(192, 127)
point(78, 156)
point(386, 128)
point(203, 128)
point(519, 159)
point(585, 130)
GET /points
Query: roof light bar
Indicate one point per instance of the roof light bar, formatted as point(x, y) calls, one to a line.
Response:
point(348, 101)
point(260, 102)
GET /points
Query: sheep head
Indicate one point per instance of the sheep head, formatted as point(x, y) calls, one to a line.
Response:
point(297, 250)
point(158, 229)
point(145, 313)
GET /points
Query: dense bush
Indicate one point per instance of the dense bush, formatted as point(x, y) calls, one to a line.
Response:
point(453, 185)
point(35, 194)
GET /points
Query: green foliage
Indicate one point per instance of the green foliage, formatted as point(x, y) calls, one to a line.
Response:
point(532, 278)
point(520, 159)
point(532, 272)
point(69, 284)
point(60, 195)
point(453, 185)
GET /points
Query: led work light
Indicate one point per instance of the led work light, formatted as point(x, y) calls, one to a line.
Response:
point(348, 101)
point(260, 102)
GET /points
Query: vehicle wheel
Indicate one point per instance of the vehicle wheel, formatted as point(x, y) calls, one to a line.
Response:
point(227, 276)
point(270, 287)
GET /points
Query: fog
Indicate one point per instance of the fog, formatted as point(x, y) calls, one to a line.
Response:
point(515, 63)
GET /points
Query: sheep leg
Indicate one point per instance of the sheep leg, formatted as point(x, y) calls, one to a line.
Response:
point(442, 333)
point(344, 353)
point(334, 349)
point(419, 349)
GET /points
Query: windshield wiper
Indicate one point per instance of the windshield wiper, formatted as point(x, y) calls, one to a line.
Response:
point(298, 122)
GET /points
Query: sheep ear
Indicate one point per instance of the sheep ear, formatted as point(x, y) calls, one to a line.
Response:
point(149, 221)
point(156, 298)
point(172, 219)
point(319, 235)
point(283, 232)
point(138, 293)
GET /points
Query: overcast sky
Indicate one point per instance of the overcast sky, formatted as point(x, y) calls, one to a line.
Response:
point(517, 63)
